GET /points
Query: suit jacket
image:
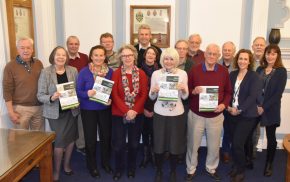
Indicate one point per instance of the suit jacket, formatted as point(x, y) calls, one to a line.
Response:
point(272, 97)
point(47, 87)
point(141, 55)
point(250, 89)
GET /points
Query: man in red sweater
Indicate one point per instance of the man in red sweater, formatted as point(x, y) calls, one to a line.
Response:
point(79, 61)
point(208, 73)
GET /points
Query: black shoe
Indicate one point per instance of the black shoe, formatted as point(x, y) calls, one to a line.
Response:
point(172, 177)
point(189, 177)
point(95, 173)
point(131, 174)
point(68, 173)
point(158, 176)
point(268, 170)
point(107, 169)
point(214, 176)
point(117, 176)
point(81, 150)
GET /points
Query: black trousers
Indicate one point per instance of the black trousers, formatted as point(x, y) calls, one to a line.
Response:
point(272, 143)
point(93, 121)
point(147, 132)
point(120, 132)
point(241, 130)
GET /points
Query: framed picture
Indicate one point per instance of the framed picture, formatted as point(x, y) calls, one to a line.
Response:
point(157, 17)
point(20, 22)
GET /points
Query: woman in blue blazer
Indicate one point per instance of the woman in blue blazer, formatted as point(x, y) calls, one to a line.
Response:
point(274, 77)
point(242, 109)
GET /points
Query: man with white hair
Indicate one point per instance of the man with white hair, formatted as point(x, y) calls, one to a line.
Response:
point(20, 82)
point(194, 52)
point(205, 74)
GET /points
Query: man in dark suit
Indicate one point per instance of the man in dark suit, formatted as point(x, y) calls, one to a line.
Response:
point(144, 37)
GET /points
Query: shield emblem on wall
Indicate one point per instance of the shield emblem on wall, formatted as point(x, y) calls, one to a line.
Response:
point(139, 16)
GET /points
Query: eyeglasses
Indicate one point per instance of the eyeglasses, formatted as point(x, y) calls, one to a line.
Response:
point(181, 48)
point(127, 56)
point(212, 54)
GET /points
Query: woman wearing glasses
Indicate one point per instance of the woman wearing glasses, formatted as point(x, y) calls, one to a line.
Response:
point(129, 95)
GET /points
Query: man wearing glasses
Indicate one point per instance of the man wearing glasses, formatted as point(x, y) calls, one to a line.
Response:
point(194, 52)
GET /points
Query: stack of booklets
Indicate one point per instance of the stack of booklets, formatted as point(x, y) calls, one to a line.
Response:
point(168, 88)
point(208, 98)
point(103, 89)
point(68, 98)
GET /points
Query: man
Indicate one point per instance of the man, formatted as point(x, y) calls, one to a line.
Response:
point(184, 61)
point(144, 37)
point(208, 73)
point(258, 47)
point(79, 61)
point(228, 53)
point(107, 40)
point(196, 55)
point(20, 83)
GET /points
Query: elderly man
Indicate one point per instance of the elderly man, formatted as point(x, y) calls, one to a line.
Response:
point(196, 55)
point(258, 47)
point(144, 37)
point(20, 82)
point(107, 40)
point(79, 61)
point(206, 74)
point(228, 53)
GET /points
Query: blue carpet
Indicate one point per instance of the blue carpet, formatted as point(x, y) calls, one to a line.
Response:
point(146, 175)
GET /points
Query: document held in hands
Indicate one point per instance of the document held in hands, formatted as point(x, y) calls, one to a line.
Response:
point(208, 98)
point(168, 88)
point(68, 98)
point(103, 88)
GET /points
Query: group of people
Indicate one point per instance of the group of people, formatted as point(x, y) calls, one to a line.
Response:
point(248, 91)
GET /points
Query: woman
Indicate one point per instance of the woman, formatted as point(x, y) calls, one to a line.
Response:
point(169, 125)
point(129, 95)
point(63, 122)
point(149, 66)
point(274, 76)
point(95, 115)
point(242, 109)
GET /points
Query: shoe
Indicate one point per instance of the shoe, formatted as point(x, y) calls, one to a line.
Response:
point(189, 177)
point(95, 173)
point(226, 158)
point(172, 177)
point(214, 176)
point(107, 169)
point(158, 176)
point(81, 150)
point(268, 170)
point(131, 174)
point(117, 176)
point(68, 173)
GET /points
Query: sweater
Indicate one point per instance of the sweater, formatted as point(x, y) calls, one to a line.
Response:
point(79, 62)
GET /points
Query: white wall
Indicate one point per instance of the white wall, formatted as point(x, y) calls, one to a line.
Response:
point(87, 20)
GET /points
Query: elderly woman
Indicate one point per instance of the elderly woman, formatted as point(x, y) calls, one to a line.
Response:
point(63, 122)
point(169, 124)
point(274, 77)
point(150, 65)
point(95, 115)
point(242, 109)
point(128, 98)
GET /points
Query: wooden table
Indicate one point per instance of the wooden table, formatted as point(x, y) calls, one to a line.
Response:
point(21, 150)
point(286, 144)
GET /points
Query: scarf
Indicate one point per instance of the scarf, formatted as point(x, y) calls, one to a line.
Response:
point(149, 70)
point(130, 96)
point(94, 69)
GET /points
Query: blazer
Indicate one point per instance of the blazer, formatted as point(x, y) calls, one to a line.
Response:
point(250, 89)
point(272, 97)
point(47, 87)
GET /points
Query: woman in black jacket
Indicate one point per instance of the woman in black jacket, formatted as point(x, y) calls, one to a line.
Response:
point(243, 109)
point(274, 76)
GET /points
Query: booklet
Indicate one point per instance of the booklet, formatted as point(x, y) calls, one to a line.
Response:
point(168, 88)
point(68, 98)
point(208, 99)
point(103, 89)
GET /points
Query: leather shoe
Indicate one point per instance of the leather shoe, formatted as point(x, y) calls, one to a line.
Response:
point(95, 173)
point(68, 173)
point(117, 176)
point(108, 169)
point(131, 174)
point(214, 176)
point(189, 177)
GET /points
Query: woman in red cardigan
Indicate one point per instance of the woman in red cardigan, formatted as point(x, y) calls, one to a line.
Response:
point(128, 98)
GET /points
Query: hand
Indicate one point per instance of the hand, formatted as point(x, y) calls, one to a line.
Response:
point(55, 96)
point(234, 111)
point(181, 87)
point(109, 102)
point(14, 117)
point(91, 93)
point(155, 89)
point(260, 110)
point(197, 90)
point(131, 114)
point(148, 114)
point(219, 108)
